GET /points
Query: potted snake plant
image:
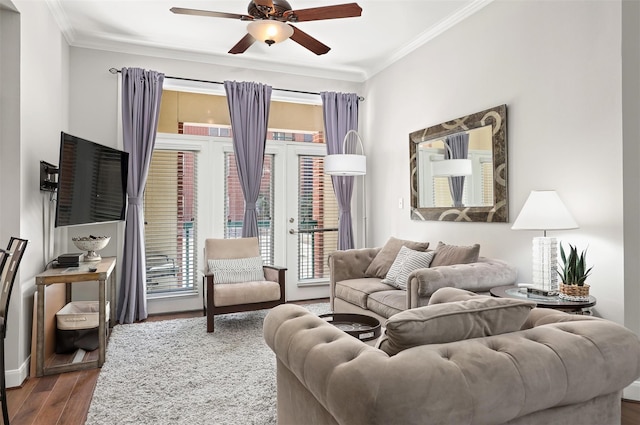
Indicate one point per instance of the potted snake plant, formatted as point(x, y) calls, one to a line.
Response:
point(574, 274)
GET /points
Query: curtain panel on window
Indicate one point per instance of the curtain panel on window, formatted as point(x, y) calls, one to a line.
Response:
point(459, 145)
point(340, 112)
point(141, 95)
point(249, 112)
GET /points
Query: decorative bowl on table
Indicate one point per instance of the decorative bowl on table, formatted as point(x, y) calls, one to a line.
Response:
point(91, 244)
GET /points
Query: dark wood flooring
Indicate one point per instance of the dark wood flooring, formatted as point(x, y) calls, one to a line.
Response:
point(64, 399)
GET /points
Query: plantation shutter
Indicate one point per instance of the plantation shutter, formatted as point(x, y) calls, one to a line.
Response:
point(170, 206)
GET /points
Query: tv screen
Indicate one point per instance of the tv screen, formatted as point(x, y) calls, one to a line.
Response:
point(92, 182)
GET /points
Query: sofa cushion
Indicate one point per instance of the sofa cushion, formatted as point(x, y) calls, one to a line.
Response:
point(406, 262)
point(381, 263)
point(447, 322)
point(387, 303)
point(236, 270)
point(446, 255)
point(356, 291)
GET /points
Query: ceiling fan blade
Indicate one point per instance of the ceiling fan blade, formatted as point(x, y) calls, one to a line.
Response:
point(348, 10)
point(308, 42)
point(197, 12)
point(242, 45)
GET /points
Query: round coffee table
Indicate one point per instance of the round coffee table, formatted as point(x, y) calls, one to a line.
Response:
point(360, 326)
point(555, 302)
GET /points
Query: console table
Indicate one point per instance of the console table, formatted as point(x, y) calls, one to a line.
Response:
point(69, 276)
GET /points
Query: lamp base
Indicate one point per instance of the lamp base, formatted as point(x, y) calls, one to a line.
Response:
point(545, 264)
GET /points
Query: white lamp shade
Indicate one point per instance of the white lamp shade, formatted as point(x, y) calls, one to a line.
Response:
point(544, 210)
point(452, 168)
point(345, 165)
point(269, 30)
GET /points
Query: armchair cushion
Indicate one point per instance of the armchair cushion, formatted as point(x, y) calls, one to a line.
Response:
point(245, 293)
point(236, 270)
point(405, 263)
point(478, 316)
point(379, 266)
point(447, 255)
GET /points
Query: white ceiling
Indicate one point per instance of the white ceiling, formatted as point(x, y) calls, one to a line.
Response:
point(360, 47)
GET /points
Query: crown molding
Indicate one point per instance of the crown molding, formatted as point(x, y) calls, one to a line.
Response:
point(429, 35)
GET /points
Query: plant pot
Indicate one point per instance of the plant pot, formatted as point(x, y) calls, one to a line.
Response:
point(574, 292)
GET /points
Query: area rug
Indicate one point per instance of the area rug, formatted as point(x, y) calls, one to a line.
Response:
point(173, 372)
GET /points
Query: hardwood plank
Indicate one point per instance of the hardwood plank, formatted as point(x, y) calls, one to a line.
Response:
point(31, 408)
point(630, 412)
point(75, 412)
point(16, 397)
point(52, 410)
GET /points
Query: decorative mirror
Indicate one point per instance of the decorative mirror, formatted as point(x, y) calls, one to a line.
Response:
point(459, 169)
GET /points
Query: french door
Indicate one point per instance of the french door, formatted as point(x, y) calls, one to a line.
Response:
point(297, 223)
point(311, 222)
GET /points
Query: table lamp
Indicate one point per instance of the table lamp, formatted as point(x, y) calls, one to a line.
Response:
point(544, 210)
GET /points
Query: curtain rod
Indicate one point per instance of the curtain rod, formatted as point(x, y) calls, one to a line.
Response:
point(117, 71)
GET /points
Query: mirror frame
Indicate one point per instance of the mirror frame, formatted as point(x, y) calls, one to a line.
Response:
point(499, 212)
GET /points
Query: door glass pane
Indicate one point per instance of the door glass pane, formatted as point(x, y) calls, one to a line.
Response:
point(317, 218)
point(170, 201)
point(234, 205)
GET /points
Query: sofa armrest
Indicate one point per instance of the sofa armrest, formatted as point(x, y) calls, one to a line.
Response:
point(349, 264)
point(482, 275)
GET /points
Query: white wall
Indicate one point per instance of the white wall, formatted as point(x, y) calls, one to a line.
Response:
point(557, 66)
point(42, 101)
point(631, 134)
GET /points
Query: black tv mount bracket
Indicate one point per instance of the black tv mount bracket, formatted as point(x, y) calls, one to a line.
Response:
point(48, 177)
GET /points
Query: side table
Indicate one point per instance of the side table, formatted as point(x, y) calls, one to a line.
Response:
point(68, 276)
point(555, 302)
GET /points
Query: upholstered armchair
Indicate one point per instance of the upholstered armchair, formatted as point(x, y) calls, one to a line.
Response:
point(236, 280)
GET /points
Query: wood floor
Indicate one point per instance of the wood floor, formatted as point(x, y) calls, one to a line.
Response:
point(64, 399)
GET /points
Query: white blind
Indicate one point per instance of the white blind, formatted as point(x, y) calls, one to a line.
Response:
point(234, 205)
point(170, 206)
point(317, 219)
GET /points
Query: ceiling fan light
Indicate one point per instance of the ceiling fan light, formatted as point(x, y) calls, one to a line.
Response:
point(269, 31)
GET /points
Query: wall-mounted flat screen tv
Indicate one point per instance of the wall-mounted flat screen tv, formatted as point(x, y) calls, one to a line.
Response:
point(92, 182)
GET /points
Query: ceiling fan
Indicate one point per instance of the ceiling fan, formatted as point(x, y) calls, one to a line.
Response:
point(270, 21)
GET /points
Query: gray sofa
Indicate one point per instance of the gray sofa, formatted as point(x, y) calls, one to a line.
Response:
point(555, 369)
point(353, 290)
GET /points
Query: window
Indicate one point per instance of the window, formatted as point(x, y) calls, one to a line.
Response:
point(234, 205)
point(170, 202)
point(317, 218)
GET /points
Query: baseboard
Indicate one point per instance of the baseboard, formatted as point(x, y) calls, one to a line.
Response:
point(632, 392)
point(16, 377)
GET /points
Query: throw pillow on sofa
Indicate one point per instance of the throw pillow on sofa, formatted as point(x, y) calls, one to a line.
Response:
point(405, 263)
point(453, 321)
point(447, 255)
point(381, 263)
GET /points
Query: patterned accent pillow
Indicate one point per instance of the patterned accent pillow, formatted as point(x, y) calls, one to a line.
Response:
point(405, 263)
point(236, 270)
point(380, 264)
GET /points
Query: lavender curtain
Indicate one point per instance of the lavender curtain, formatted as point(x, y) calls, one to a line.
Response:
point(249, 110)
point(141, 95)
point(459, 144)
point(340, 112)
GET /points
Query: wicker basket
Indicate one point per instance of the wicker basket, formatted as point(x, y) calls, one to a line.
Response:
point(574, 292)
